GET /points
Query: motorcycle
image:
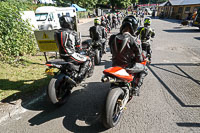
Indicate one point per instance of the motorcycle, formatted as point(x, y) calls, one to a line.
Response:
point(118, 19)
point(63, 81)
point(145, 48)
point(114, 23)
point(119, 95)
point(97, 46)
point(106, 26)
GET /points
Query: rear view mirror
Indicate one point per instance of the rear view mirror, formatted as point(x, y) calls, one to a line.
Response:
point(49, 19)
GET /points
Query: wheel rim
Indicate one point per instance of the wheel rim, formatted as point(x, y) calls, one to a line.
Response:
point(61, 90)
point(116, 112)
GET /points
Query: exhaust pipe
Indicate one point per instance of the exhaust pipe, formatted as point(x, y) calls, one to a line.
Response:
point(107, 79)
point(70, 80)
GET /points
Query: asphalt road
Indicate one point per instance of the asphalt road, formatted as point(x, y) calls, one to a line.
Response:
point(169, 101)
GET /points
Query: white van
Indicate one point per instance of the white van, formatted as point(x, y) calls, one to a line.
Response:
point(30, 17)
point(48, 16)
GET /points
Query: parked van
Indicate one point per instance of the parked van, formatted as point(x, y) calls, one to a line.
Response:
point(48, 16)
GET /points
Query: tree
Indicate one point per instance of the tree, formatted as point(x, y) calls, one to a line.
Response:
point(151, 1)
point(103, 2)
point(120, 3)
point(125, 3)
point(144, 1)
point(134, 1)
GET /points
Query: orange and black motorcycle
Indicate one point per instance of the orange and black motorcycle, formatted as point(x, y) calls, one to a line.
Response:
point(119, 95)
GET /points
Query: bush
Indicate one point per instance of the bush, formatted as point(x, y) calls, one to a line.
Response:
point(16, 37)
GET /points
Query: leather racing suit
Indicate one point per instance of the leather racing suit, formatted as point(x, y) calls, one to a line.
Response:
point(69, 48)
point(98, 33)
point(145, 33)
point(127, 53)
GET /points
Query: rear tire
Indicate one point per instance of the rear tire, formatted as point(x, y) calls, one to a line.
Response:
point(57, 90)
point(113, 114)
point(97, 57)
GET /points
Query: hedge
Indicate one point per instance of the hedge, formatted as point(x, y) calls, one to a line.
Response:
point(16, 36)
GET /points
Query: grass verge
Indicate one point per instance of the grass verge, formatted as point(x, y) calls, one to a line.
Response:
point(22, 79)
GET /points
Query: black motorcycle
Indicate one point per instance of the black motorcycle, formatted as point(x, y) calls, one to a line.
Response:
point(114, 23)
point(65, 78)
point(97, 46)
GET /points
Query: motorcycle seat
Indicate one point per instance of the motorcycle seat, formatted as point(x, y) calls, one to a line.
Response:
point(70, 65)
point(58, 62)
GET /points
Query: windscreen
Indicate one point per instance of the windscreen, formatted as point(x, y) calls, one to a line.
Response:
point(41, 16)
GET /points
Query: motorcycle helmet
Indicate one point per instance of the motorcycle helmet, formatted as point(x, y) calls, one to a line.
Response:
point(97, 21)
point(130, 21)
point(147, 21)
point(66, 22)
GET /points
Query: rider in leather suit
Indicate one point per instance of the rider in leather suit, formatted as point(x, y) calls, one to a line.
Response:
point(98, 33)
point(68, 43)
point(145, 33)
point(127, 53)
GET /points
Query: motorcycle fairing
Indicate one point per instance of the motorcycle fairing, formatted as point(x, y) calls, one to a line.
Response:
point(144, 63)
point(119, 72)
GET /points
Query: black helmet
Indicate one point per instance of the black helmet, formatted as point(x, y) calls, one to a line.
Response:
point(130, 21)
point(66, 22)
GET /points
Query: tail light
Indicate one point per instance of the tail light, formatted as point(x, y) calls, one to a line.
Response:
point(48, 65)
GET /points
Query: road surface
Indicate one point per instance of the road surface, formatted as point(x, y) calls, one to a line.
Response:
point(169, 101)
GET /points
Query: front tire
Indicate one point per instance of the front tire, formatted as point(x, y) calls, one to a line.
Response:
point(113, 112)
point(58, 91)
point(97, 58)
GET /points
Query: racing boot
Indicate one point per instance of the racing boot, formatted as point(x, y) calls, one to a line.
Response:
point(135, 90)
point(82, 72)
point(138, 82)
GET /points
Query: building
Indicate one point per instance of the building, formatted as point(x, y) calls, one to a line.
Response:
point(178, 9)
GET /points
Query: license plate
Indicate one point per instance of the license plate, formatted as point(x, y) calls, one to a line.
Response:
point(196, 23)
point(49, 71)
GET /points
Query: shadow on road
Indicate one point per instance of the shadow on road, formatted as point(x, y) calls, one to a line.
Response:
point(25, 89)
point(159, 70)
point(188, 124)
point(83, 111)
point(182, 30)
point(180, 27)
point(85, 35)
point(198, 38)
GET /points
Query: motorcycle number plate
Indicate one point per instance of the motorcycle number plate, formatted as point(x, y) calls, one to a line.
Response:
point(49, 71)
point(195, 22)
